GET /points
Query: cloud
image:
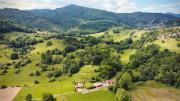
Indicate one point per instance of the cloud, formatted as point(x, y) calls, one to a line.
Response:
point(109, 5)
point(174, 8)
point(118, 6)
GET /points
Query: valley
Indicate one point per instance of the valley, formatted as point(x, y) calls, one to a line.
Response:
point(21, 76)
point(76, 53)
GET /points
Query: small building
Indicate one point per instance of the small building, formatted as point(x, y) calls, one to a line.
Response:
point(78, 86)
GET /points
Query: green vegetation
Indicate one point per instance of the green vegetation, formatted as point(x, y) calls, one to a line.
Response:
point(101, 95)
point(28, 97)
point(122, 95)
point(49, 63)
point(48, 97)
point(152, 90)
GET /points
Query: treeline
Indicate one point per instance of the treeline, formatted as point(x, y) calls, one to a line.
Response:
point(21, 42)
point(9, 26)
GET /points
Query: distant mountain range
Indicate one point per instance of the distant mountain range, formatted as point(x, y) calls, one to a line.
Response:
point(176, 15)
point(83, 20)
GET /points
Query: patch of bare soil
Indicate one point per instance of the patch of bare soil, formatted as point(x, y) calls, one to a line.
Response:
point(9, 93)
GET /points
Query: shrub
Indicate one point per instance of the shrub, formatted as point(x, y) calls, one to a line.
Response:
point(28, 97)
point(14, 56)
point(17, 71)
point(3, 86)
point(122, 95)
point(91, 87)
point(52, 79)
point(48, 97)
point(31, 74)
point(36, 82)
point(37, 73)
point(178, 45)
point(49, 43)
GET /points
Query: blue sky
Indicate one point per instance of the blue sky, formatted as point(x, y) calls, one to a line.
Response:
point(119, 6)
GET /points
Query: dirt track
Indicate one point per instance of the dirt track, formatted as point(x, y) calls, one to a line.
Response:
point(9, 93)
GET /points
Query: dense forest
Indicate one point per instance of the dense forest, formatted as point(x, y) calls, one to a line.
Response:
point(82, 20)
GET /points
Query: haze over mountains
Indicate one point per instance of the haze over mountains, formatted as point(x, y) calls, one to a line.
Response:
point(83, 20)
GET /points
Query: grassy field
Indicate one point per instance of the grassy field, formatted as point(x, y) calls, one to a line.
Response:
point(170, 44)
point(125, 56)
point(154, 91)
point(101, 95)
point(63, 84)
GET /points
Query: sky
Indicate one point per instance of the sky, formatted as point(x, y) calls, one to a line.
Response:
point(118, 6)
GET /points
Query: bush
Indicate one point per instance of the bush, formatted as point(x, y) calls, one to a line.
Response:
point(37, 73)
point(52, 79)
point(3, 86)
point(14, 56)
point(28, 97)
point(122, 95)
point(91, 87)
point(5, 71)
point(49, 43)
point(17, 71)
point(113, 88)
point(125, 81)
point(8, 64)
point(48, 97)
point(31, 74)
point(36, 82)
point(178, 45)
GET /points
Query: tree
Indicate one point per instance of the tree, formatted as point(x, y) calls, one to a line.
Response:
point(46, 58)
point(122, 95)
point(96, 60)
point(48, 97)
point(28, 97)
point(14, 56)
point(36, 81)
point(37, 73)
point(125, 81)
point(49, 43)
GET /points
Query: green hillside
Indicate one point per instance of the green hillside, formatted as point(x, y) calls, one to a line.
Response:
point(44, 62)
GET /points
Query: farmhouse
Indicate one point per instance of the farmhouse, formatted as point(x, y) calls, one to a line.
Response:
point(78, 86)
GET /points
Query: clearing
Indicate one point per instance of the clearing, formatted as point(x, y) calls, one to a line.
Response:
point(9, 93)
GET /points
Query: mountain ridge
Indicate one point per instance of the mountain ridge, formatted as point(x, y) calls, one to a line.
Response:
point(73, 17)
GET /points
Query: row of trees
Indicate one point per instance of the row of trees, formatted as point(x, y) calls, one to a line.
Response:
point(23, 42)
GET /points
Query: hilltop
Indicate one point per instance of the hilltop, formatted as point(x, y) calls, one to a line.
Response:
point(82, 20)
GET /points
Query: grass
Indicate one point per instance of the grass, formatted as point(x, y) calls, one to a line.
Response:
point(5, 54)
point(125, 56)
point(97, 34)
point(63, 84)
point(41, 47)
point(137, 35)
point(101, 95)
point(170, 44)
point(154, 91)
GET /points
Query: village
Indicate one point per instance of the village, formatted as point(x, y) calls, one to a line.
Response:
point(81, 86)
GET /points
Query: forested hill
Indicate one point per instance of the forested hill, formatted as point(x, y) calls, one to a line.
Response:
point(83, 20)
